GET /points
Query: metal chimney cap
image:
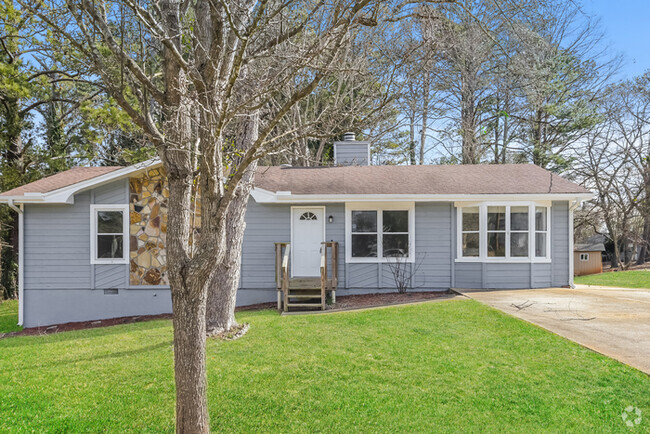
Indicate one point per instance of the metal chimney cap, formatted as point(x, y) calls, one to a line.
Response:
point(349, 137)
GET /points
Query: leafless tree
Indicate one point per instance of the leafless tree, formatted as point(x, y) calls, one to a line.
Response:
point(186, 77)
point(607, 166)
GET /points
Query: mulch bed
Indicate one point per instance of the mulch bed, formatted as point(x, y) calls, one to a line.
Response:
point(342, 302)
point(374, 300)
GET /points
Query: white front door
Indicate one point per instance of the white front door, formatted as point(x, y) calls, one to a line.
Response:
point(308, 234)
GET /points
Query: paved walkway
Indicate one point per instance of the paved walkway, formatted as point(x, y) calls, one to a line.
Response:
point(612, 321)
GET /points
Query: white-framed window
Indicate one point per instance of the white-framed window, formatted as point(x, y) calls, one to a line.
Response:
point(109, 234)
point(377, 232)
point(503, 232)
point(584, 257)
point(542, 244)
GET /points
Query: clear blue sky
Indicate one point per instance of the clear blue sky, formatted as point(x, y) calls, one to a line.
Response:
point(627, 27)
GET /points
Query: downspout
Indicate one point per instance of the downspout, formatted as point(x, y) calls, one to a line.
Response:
point(572, 207)
point(21, 268)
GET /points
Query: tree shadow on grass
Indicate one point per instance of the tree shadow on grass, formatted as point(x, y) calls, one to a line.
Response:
point(42, 339)
point(61, 362)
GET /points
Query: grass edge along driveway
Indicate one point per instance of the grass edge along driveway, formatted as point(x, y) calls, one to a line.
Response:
point(617, 279)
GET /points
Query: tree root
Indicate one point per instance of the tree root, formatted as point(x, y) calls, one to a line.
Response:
point(233, 333)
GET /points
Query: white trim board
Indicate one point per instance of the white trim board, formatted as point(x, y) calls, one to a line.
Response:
point(264, 196)
point(66, 194)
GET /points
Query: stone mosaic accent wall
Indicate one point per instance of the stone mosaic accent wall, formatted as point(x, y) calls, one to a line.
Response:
point(148, 231)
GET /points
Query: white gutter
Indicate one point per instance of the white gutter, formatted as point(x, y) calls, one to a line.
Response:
point(572, 208)
point(264, 196)
point(21, 260)
point(65, 195)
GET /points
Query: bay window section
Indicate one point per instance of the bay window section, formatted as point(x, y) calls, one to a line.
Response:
point(503, 232)
point(519, 231)
point(471, 232)
point(541, 232)
point(496, 231)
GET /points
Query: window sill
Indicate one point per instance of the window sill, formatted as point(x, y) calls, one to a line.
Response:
point(378, 260)
point(109, 261)
point(506, 260)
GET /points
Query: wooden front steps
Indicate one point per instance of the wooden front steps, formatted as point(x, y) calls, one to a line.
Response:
point(305, 293)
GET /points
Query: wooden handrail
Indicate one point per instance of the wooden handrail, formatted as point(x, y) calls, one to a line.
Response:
point(329, 283)
point(282, 251)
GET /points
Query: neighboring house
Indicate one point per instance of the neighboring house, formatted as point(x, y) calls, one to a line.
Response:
point(588, 256)
point(92, 240)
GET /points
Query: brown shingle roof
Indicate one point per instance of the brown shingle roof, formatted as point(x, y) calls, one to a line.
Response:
point(448, 179)
point(60, 180)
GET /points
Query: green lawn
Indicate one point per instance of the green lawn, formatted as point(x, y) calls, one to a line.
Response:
point(9, 316)
point(447, 366)
point(623, 279)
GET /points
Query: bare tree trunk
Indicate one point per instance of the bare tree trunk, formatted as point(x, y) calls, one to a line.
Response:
point(189, 295)
point(412, 140)
point(319, 153)
point(222, 295)
point(425, 115)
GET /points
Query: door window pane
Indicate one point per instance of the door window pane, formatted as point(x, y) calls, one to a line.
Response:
point(109, 222)
point(364, 221)
point(540, 244)
point(497, 244)
point(496, 218)
point(396, 221)
point(109, 246)
point(364, 246)
point(519, 244)
point(540, 218)
point(471, 218)
point(395, 245)
point(519, 218)
point(471, 244)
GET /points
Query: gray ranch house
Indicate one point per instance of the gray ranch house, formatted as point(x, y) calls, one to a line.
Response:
point(92, 239)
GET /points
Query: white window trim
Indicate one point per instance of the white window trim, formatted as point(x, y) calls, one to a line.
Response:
point(94, 209)
point(379, 207)
point(585, 256)
point(483, 257)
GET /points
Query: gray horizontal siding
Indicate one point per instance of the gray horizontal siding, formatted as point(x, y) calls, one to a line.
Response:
point(542, 277)
point(352, 154)
point(363, 276)
point(560, 243)
point(506, 276)
point(114, 193)
point(57, 245)
point(265, 225)
point(110, 276)
point(469, 275)
point(433, 245)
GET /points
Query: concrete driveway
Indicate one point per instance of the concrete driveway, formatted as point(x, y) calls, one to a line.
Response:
point(612, 321)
